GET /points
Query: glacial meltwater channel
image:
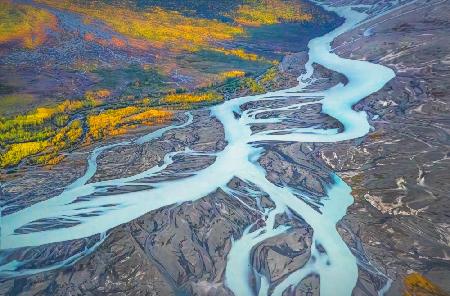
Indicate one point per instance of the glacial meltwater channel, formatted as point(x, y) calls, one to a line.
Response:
point(87, 215)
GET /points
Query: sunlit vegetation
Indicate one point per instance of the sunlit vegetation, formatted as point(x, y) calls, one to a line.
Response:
point(25, 24)
point(45, 132)
point(239, 53)
point(38, 117)
point(48, 149)
point(68, 135)
point(13, 133)
point(150, 117)
point(108, 123)
point(212, 64)
point(97, 95)
point(118, 121)
point(64, 138)
point(418, 285)
point(42, 135)
point(244, 85)
point(232, 74)
point(268, 12)
point(204, 59)
point(25, 135)
point(251, 84)
point(243, 55)
point(19, 151)
point(190, 98)
point(146, 101)
point(163, 28)
point(269, 76)
point(35, 118)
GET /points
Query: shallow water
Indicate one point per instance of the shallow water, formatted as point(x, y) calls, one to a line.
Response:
point(337, 267)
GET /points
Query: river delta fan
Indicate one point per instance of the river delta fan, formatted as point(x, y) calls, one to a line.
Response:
point(154, 181)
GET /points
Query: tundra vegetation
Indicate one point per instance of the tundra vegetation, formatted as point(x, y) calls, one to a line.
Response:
point(269, 12)
point(42, 134)
point(45, 132)
point(187, 41)
point(24, 24)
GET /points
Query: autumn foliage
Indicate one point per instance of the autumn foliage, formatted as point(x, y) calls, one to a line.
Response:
point(163, 28)
point(25, 24)
point(29, 134)
point(191, 98)
point(170, 29)
point(232, 74)
point(64, 138)
point(418, 285)
point(269, 12)
point(118, 121)
point(19, 151)
point(41, 135)
point(240, 53)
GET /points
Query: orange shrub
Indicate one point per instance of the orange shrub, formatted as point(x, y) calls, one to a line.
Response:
point(418, 285)
point(117, 42)
point(89, 37)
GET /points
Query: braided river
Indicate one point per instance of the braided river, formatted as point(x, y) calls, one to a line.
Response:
point(330, 257)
